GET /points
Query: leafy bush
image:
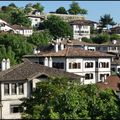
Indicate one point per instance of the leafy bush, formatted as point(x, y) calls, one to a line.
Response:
point(84, 39)
point(101, 38)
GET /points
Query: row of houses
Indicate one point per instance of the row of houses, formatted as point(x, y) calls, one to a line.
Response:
point(85, 65)
point(17, 29)
point(77, 60)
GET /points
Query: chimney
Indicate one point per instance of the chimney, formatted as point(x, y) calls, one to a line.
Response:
point(38, 51)
point(7, 63)
point(50, 62)
point(46, 61)
point(34, 51)
point(3, 65)
point(61, 46)
point(56, 47)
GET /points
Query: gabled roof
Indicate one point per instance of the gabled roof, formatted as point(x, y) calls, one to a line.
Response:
point(76, 42)
point(72, 52)
point(28, 70)
point(112, 82)
point(82, 22)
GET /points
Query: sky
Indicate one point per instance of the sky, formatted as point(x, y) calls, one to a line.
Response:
point(95, 8)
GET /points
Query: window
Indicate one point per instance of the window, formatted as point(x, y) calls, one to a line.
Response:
point(101, 76)
point(119, 69)
point(104, 48)
point(89, 76)
point(58, 65)
point(113, 69)
point(70, 65)
point(6, 88)
point(104, 64)
point(74, 65)
point(13, 88)
point(89, 65)
point(35, 19)
point(14, 109)
point(21, 88)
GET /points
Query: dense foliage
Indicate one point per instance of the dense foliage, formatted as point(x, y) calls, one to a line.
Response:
point(14, 15)
point(58, 27)
point(101, 38)
point(61, 10)
point(75, 9)
point(106, 20)
point(14, 46)
point(84, 39)
point(60, 98)
point(40, 38)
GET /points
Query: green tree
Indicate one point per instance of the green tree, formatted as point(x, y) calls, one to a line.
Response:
point(40, 38)
point(58, 27)
point(101, 38)
point(39, 7)
point(18, 17)
point(84, 39)
point(61, 10)
point(14, 46)
point(12, 5)
point(62, 98)
point(106, 20)
point(114, 37)
point(75, 9)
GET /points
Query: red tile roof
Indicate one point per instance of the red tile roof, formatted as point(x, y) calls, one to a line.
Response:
point(71, 52)
point(112, 82)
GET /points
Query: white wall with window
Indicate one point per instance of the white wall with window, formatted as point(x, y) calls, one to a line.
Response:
point(35, 21)
point(11, 109)
point(13, 90)
point(80, 31)
point(74, 65)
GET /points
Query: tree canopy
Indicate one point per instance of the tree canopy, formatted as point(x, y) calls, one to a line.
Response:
point(61, 10)
point(14, 15)
point(58, 27)
point(62, 98)
point(15, 46)
point(106, 20)
point(75, 9)
point(39, 7)
point(40, 38)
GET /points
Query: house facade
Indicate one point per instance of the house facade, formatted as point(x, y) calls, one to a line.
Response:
point(35, 20)
point(80, 29)
point(19, 81)
point(4, 26)
point(95, 66)
point(22, 30)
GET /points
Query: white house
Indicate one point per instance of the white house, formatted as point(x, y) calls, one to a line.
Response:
point(35, 20)
point(109, 47)
point(19, 81)
point(95, 66)
point(19, 29)
point(81, 28)
point(4, 26)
